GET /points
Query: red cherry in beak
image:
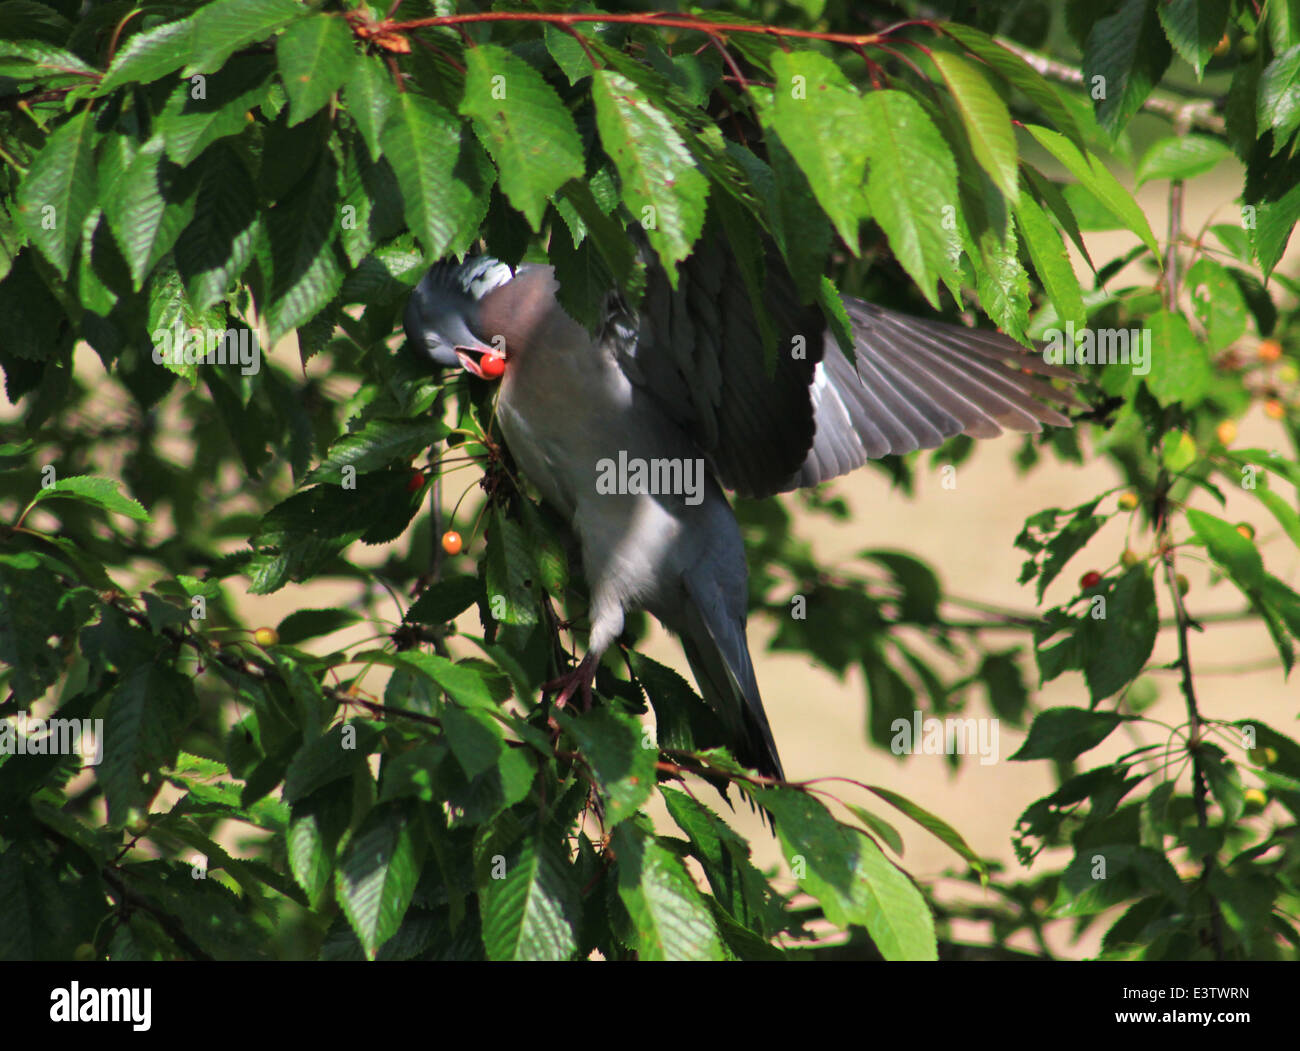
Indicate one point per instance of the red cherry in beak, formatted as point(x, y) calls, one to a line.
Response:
point(491, 366)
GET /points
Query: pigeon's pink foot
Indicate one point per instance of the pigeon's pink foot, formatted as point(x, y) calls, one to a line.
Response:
point(577, 680)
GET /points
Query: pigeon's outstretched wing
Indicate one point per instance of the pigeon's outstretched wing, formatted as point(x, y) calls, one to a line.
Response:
point(815, 415)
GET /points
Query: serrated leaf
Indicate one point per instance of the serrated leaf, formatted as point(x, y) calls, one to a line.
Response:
point(147, 713)
point(58, 191)
point(613, 746)
point(224, 27)
point(823, 127)
point(906, 147)
point(1239, 556)
point(847, 873)
point(1130, 53)
point(100, 492)
point(661, 186)
point(1274, 221)
point(444, 174)
point(987, 122)
point(148, 208)
point(934, 824)
point(305, 265)
point(740, 888)
point(1180, 369)
point(149, 56)
point(377, 876)
point(315, 56)
point(1064, 733)
point(378, 443)
point(304, 624)
point(525, 127)
point(445, 600)
point(532, 913)
point(214, 249)
point(1195, 28)
point(1021, 76)
point(369, 94)
point(1217, 301)
point(190, 123)
point(1051, 261)
point(669, 917)
point(1181, 157)
point(1097, 180)
point(1278, 105)
point(1117, 645)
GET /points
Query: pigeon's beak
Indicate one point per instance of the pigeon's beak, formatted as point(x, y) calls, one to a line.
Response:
point(489, 364)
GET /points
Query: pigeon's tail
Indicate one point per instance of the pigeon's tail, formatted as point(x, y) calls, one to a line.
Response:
point(714, 641)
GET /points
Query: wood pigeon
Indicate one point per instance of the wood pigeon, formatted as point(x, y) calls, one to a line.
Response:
point(681, 390)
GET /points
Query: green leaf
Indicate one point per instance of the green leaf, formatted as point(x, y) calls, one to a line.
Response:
point(823, 126)
point(148, 207)
point(32, 609)
point(222, 28)
point(1098, 180)
point(315, 827)
point(369, 94)
point(532, 912)
point(847, 873)
point(444, 174)
point(467, 683)
point(1130, 53)
point(1064, 733)
point(1274, 221)
point(1217, 301)
point(905, 148)
point(99, 492)
point(1237, 555)
point(987, 122)
point(614, 747)
point(149, 56)
point(190, 121)
point(669, 917)
point(1051, 261)
point(1278, 105)
point(740, 888)
point(445, 600)
point(58, 191)
point(328, 757)
point(315, 56)
point(376, 878)
point(306, 270)
point(147, 713)
point(32, 59)
point(1117, 645)
point(215, 248)
point(1180, 368)
point(661, 186)
point(525, 127)
point(510, 573)
point(1021, 76)
point(1195, 28)
point(934, 824)
point(1181, 157)
point(379, 442)
point(1282, 511)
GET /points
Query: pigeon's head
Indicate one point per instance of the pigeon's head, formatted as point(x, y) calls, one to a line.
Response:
point(442, 315)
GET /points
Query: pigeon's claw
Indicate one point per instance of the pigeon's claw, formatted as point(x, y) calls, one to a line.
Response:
point(576, 680)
